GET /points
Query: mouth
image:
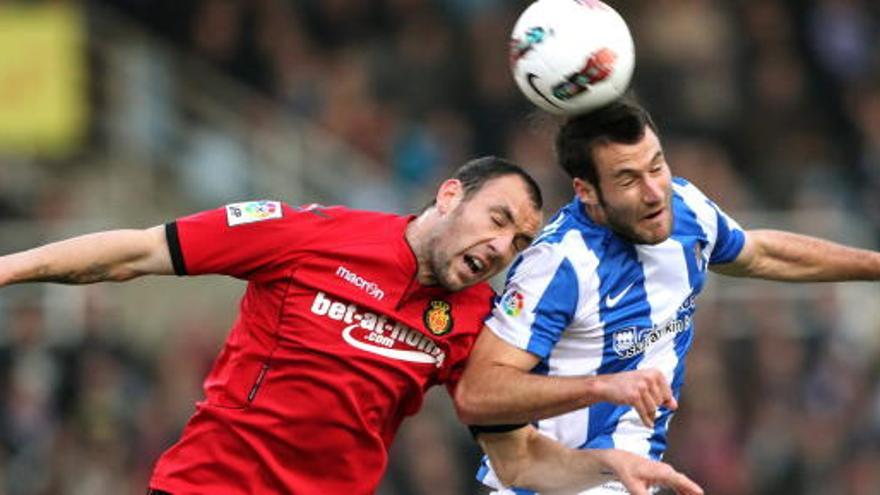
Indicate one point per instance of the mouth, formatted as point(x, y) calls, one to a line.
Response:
point(654, 215)
point(476, 265)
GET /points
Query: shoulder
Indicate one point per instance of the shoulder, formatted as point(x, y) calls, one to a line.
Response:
point(341, 213)
point(687, 190)
point(472, 305)
point(353, 223)
point(687, 195)
point(692, 195)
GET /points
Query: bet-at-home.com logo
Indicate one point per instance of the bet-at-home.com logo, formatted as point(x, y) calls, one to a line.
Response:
point(375, 333)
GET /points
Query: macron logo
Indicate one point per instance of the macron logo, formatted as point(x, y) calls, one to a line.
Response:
point(353, 278)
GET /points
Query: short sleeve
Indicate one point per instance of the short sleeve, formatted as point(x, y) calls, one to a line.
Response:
point(539, 300)
point(725, 237)
point(249, 240)
point(729, 240)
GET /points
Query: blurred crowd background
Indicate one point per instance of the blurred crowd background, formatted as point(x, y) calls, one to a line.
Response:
point(128, 113)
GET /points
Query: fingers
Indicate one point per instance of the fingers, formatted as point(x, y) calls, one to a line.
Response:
point(635, 487)
point(647, 410)
point(662, 474)
point(661, 391)
point(657, 393)
point(686, 486)
point(639, 474)
point(645, 390)
point(681, 484)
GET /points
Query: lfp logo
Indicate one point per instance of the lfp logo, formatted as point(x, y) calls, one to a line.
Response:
point(252, 211)
point(512, 302)
point(261, 209)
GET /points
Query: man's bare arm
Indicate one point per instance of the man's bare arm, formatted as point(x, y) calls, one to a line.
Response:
point(527, 459)
point(789, 257)
point(115, 255)
point(498, 388)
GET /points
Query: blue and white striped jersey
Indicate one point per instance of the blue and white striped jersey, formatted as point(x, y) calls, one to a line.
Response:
point(587, 301)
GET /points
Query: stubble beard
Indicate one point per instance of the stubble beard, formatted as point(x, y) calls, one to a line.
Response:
point(618, 222)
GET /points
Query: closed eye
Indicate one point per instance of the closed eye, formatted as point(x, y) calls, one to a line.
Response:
point(521, 242)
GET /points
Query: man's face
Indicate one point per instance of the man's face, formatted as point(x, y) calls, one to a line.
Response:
point(478, 236)
point(635, 190)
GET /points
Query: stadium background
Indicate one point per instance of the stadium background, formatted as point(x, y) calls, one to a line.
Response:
point(128, 113)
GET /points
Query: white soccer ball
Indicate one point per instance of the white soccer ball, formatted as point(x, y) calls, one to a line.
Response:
point(571, 56)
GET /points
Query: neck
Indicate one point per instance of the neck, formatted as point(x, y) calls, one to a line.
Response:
point(417, 235)
point(595, 212)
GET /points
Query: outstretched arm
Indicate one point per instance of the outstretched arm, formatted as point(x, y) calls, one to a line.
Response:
point(497, 387)
point(115, 255)
point(527, 459)
point(785, 256)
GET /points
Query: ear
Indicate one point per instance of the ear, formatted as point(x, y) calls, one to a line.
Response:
point(587, 192)
point(449, 195)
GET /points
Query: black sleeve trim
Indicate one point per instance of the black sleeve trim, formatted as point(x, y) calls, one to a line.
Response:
point(174, 248)
point(477, 429)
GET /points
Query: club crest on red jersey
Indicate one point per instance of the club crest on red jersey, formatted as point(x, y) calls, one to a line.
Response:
point(438, 317)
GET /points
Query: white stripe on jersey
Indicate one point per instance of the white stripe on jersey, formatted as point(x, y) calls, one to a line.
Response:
point(706, 215)
point(666, 286)
point(540, 262)
point(579, 350)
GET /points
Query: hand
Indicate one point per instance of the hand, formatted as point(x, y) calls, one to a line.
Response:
point(645, 390)
point(639, 474)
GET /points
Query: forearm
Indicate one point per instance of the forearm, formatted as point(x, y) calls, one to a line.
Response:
point(497, 394)
point(530, 460)
point(793, 257)
point(105, 256)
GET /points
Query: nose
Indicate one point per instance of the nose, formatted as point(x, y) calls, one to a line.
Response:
point(502, 247)
point(652, 190)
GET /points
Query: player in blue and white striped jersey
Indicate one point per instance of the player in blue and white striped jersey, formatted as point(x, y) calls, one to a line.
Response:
point(602, 303)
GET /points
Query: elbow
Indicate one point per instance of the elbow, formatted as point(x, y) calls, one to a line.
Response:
point(467, 406)
point(470, 405)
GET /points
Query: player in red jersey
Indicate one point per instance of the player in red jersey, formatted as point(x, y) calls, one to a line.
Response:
point(347, 319)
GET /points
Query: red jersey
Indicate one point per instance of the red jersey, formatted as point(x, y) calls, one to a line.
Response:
point(336, 342)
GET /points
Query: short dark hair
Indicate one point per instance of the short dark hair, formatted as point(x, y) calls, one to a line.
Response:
point(623, 121)
point(476, 173)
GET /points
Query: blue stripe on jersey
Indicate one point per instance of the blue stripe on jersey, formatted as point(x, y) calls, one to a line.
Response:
point(556, 307)
point(620, 276)
point(484, 468)
point(542, 368)
point(512, 269)
point(688, 231)
point(729, 241)
point(523, 491)
point(658, 439)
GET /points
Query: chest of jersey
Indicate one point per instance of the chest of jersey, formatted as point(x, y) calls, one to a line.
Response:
point(368, 310)
point(634, 299)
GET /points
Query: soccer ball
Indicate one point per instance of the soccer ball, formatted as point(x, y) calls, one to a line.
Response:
point(571, 56)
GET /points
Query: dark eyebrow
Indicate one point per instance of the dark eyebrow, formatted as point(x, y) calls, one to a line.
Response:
point(629, 171)
point(504, 210)
point(657, 156)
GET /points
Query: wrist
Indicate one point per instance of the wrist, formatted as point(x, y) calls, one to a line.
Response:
point(595, 390)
